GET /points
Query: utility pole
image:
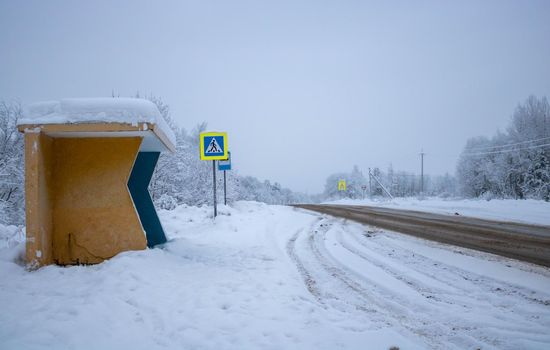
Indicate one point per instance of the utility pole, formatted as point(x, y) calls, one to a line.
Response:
point(422, 172)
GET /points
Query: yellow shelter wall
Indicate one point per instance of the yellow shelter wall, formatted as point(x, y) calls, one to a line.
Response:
point(38, 197)
point(94, 215)
point(78, 200)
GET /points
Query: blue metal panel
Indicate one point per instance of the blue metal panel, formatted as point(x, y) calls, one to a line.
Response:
point(225, 164)
point(137, 184)
point(223, 167)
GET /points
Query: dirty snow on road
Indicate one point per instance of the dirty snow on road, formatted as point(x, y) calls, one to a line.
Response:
point(273, 277)
point(527, 210)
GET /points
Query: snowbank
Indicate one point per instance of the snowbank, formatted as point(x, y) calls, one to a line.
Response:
point(528, 211)
point(11, 235)
point(274, 277)
point(96, 110)
point(223, 284)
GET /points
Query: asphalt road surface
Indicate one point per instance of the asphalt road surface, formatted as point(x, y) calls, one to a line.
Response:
point(524, 242)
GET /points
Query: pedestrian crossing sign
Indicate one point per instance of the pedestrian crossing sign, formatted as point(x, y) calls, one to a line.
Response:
point(341, 185)
point(213, 145)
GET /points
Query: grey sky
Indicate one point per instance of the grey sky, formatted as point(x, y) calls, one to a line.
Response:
point(304, 88)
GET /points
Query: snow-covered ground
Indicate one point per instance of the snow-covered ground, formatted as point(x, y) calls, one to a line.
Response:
point(273, 277)
point(528, 211)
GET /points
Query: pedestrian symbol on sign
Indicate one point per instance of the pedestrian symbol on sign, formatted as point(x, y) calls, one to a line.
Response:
point(214, 147)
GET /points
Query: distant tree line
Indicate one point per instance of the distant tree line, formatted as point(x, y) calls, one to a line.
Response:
point(511, 164)
point(398, 183)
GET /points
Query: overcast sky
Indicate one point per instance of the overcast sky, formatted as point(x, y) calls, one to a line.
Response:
point(304, 88)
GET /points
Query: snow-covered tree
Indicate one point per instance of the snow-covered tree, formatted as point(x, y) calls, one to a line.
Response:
point(511, 164)
point(11, 165)
point(331, 186)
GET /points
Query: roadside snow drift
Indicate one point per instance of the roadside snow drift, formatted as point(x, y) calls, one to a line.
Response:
point(272, 277)
point(526, 210)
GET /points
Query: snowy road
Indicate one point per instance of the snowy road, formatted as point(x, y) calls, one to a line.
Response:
point(522, 241)
point(273, 277)
point(449, 297)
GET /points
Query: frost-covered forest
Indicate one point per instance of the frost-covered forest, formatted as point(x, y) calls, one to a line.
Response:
point(511, 164)
point(514, 163)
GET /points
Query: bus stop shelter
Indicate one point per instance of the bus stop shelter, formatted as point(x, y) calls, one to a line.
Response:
point(88, 164)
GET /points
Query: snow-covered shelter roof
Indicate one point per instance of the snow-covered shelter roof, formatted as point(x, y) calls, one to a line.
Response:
point(104, 117)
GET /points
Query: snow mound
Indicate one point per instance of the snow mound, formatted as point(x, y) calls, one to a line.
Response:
point(96, 110)
point(10, 236)
point(12, 244)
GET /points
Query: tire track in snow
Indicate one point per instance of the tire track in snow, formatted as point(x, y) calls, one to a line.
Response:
point(442, 299)
point(350, 294)
point(422, 289)
point(306, 276)
point(395, 307)
point(310, 277)
point(418, 262)
point(328, 291)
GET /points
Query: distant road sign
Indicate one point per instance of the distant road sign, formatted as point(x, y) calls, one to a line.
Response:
point(341, 185)
point(225, 164)
point(213, 145)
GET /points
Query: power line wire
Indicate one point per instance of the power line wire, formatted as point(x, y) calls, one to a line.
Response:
point(506, 150)
point(509, 144)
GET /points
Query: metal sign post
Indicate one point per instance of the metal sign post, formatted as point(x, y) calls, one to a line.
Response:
point(224, 189)
point(213, 146)
point(224, 165)
point(214, 185)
